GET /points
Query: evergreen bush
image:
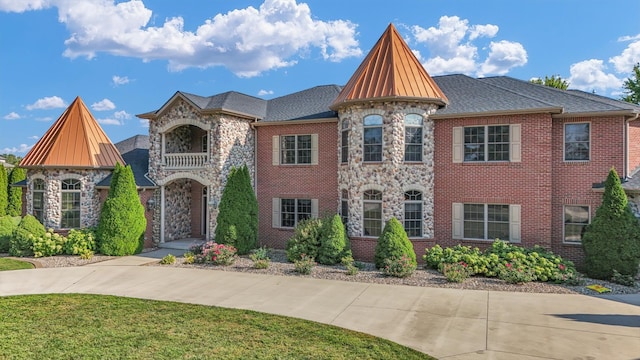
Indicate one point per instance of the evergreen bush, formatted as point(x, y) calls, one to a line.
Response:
point(21, 243)
point(333, 241)
point(237, 221)
point(122, 222)
point(305, 240)
point(14, 204)
point(4, 184)
point(612, 240)
point(393, 243)
point(7, 227)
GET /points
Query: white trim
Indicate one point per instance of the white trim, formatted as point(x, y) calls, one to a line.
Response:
point(364, 127)
point(564, 138)
point(173, 124)
point(515, 223)
point(515, 143)
point(458, 144)
point(182, 175)
point(564, 206)
point(162, 215)
point(457, 216)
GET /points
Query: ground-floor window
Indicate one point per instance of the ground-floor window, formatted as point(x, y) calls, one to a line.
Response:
point(38, 199)
point(486, 222)
point(413, 213)
point(576, 219)
point(372, 214)
point(288, 212)
point(70, 214)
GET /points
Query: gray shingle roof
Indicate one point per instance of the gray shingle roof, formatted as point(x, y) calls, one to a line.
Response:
point(134, 142)
point(139, 161)
point(307, 104)
point(230, 101)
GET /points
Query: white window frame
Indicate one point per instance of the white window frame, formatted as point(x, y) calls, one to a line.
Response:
point(276, 212)
point(276, 153)
point(416, 117)
point(41, 192)
point(515, 144)
point(514, 222)
point(419, 202)
point(564, 223)
point(564, 141)
point(376, 201)
point(344, 145)
point(381, 144)
point(71, 191)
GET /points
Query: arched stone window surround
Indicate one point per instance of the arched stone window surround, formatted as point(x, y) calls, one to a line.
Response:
point(173, 124)
point(183, 175)
point(199, 159)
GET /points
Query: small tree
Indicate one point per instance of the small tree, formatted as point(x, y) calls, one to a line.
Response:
point(305, 240)
point(632, 87)
point(553, 81)
point(4, 183)
point(238, 209)
point(122, 223)
point(612, 240)
point(14, 206)
point(393, 243)
point(333, 242)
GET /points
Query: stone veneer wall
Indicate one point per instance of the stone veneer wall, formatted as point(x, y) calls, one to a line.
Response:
point(392, 176)
point(634, 202)
point(90, 205)
point(231, 143)
point(178, 210)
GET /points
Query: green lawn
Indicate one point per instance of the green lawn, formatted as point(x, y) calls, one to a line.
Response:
point(108, 327)
point(11, 264)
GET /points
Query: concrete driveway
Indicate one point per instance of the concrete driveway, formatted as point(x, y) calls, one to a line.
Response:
point(445, 323)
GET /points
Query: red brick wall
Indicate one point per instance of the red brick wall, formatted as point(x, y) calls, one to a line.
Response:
point(295, 181)
point(573, 181)
point(527, 183)
point(634, 145)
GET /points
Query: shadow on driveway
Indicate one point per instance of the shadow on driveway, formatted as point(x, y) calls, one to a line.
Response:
point(605, 319)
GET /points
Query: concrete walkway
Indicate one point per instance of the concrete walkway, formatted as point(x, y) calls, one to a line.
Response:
point(445, 323)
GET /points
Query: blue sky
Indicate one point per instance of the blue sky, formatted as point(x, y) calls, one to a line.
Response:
point(128, 57)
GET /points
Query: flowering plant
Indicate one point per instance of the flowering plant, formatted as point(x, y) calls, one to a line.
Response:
point(515, 274)
point(304, 265)
point(399, 267)
point(217, 254)
point(456, 272)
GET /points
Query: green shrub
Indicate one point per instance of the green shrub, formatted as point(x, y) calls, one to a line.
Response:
point(626, 280)
point(515, 273)
point(21, 243)
point(189, 257)
point(260, 258)
point(168, 260)
point(80, 241)
point(50, 244)
point(214, 253)
point(14, 193)
point(7, 227)
point(4, 183)
point(237, 221)
point(305, 239)
point(456, 272)
point(399, 267)
point(305, 265)
point(122, 222)
point(333, 242)
point(393, 243)
point(612, 240)
point(350, 265)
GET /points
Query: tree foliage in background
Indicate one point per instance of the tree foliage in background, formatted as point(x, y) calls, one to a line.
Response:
point(553, 81)
point(237, 221)
point(632, 86)
point(11, 159)
point(612, 240)
point(14, 203)
point(4, 183)
point(122, 223)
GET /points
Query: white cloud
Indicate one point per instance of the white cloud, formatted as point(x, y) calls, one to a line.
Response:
point(120, 80)
point(23, 148)
point(629, 38)
point(247, 41)
point(122, 115)
point(34, 137)
point(103, 105)
point(118, 118)
point(453, 48)
point(630, 56)
point(591, 75)
point(263, 92)
point(51, 102)
point(46, 118)
point(109, 121)
point(23, 5)
point(12, 116)
point(144, 123)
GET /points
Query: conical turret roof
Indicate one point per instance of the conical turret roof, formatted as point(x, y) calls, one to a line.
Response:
point(75, 140)
point(390, 71)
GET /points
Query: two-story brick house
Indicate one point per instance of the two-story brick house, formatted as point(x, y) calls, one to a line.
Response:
point(454, 158)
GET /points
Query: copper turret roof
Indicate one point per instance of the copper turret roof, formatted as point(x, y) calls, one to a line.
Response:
point(75, 140)
point(390, 71)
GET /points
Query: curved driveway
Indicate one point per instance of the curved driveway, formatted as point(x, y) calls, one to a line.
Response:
point(445, 323)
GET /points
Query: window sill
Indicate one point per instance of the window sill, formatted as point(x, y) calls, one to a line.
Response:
point(576, 162)
point(489, 163)
point(564, 243)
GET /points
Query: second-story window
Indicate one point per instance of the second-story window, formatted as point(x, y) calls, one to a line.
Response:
point(413, 137)
point(372, 142)
point(576, 142)
point(486, 143)
point(295, 149)
point(344, 142)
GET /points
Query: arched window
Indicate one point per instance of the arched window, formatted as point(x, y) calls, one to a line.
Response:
point(413, 213)
point(38, 199)
point(70, 214)
point(372, 214)
point(372, 142)
point(413, 137)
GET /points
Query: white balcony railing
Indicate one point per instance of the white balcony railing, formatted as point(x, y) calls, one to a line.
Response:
point(185, 160)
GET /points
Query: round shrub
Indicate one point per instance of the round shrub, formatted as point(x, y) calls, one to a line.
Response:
point(49, 244)
point(80, 241)
point(333, 243)
point(392, 244)
point(305, 240)
point(21, 243)
point(7, 226)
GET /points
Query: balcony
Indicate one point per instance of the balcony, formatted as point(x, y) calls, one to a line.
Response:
point(185, 160)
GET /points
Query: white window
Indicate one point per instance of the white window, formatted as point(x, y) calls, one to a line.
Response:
point(372, 141)
point(576, 219)
point(38, 199)
point(288, 212)
point(487, 143)
point(70, 205)
point(576, 142)
point(372, 213)
point(344, 142)
point(486, 222)
point(295, 149)
point(413, 213)
point(344, 206)
point(413, 137)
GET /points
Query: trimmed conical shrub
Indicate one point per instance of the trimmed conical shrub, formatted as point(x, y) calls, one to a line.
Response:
point(333, 242)
point(122, 223)
point(14, 206)
point(393, 243)
point(612, 240)
point(4, 183)
point(238, 209)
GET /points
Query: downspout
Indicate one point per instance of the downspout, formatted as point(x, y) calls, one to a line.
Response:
point(626, 144)
point(255, 166)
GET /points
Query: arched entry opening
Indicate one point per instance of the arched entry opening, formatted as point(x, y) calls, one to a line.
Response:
point(185, 209)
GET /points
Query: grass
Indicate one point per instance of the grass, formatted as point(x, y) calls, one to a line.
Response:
point(11, 264)
point(74, 326)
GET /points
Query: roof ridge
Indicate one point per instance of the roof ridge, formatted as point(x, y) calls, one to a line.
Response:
point(518, 93)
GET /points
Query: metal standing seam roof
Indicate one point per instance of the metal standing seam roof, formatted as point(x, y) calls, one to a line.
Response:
point(75, 140)
point(390, 70)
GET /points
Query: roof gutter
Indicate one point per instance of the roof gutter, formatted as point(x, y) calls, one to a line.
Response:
point(626, 113)
point(552, 110)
